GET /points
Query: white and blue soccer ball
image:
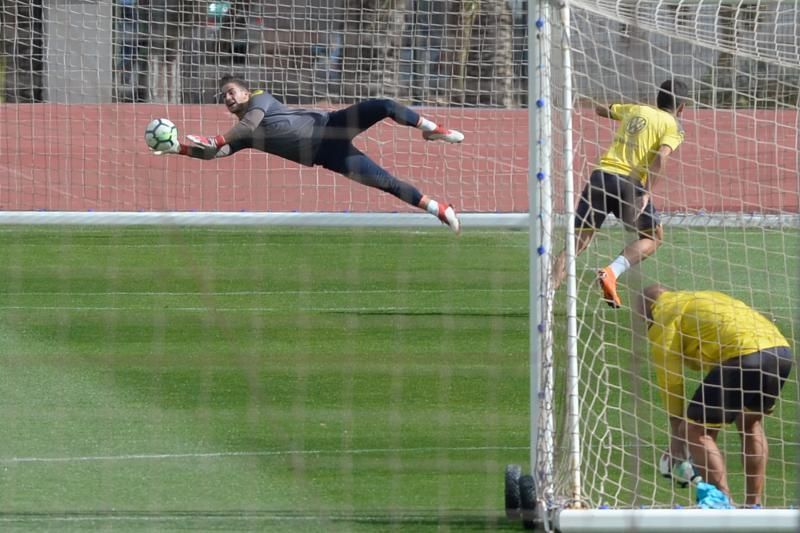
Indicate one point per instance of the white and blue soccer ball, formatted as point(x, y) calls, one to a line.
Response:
point(161, 135)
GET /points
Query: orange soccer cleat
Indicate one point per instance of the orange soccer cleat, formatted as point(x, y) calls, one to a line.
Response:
point(608, 283)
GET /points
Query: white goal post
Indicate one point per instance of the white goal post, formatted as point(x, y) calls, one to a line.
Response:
point(598, 426)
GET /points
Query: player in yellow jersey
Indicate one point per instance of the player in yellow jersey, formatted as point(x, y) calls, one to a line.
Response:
point(622, 181)
point(746, 362)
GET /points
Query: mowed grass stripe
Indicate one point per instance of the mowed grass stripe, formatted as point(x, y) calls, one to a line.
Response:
point(366, 340)
point(389, 376)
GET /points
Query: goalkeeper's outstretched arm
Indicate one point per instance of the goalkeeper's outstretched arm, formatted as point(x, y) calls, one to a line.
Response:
point(220, 145)
point(200, 152)
point(212, 147)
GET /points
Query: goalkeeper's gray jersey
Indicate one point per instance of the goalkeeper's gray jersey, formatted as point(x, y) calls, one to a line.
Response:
point(290, 133)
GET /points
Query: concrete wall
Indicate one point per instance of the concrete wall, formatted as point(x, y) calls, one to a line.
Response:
point(79, 51)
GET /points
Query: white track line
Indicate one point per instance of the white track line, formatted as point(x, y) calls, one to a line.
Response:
point(266, 453)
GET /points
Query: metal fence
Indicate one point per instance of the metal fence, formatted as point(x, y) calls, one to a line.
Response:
point(431, 52)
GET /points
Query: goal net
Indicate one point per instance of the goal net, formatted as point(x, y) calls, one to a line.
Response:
point(730, 203)
point(100, 71)
point(254, 377)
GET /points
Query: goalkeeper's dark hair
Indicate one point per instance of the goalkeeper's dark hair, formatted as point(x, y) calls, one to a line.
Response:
point(671, 95)
point(229, 78)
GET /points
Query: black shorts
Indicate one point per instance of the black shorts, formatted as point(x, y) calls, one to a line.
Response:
point(610, 193)
point(748, 383)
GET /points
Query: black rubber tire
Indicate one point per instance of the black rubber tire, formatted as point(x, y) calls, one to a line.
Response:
point(513, 473)
point(527, 500)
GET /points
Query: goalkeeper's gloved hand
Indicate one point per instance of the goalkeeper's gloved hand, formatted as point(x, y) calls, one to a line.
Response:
point(174, 148)
point(218, 141)
point(210, 145)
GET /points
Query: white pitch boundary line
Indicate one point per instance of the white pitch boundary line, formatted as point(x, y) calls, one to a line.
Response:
point(266, 453)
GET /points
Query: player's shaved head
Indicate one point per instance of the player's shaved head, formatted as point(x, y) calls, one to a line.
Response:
point(644, 303)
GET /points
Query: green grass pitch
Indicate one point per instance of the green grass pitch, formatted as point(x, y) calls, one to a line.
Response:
point(290, 380)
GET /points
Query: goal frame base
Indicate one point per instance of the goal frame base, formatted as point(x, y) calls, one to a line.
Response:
point(669, 520)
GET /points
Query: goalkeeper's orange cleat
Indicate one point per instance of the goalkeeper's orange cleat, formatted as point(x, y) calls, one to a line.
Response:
point(448, 216)
point(608, 283)
point(440, 133)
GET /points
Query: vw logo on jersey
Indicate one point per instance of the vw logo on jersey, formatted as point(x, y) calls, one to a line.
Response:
point(635, 125)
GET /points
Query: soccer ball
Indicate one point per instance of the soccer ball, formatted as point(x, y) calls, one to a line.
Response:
point(161, 135)
point(682, 471)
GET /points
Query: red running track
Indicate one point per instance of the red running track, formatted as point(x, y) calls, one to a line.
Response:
point(60, 157)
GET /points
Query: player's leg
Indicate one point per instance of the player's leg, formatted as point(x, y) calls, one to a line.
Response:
point(347, 160)
point(357, 118)
point(446, 213)
point(361, 116)
point(716, 401)
point(648, 241)
point(604, 197)
point(755, 452)
point(590, 213)
point(706, 455)
point(583, 238)
point(763, 375)
point(647, 224)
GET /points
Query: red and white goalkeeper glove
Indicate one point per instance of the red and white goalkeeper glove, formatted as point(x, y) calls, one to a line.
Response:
point(174, 148)
point(210, 145)
point(215, 142)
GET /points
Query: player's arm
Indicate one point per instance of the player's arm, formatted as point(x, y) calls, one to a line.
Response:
point(669, 142)
point(668, 362)
point(200, 152)
point(603, 110)
point(653, 175)
point(612, 111)
point(658, 164)
point(211, 147)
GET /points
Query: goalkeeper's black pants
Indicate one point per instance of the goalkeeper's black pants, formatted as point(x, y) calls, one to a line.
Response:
point(337, 153)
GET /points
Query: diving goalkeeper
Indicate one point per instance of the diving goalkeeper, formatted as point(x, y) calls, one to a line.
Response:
point(321, 138)
point(746, 362)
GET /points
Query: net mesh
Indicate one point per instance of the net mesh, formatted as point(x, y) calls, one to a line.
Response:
point(252, 378)
point(80, 80)
point(105, 69)
point(730, 206)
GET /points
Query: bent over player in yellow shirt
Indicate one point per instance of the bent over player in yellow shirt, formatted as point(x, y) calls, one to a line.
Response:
point(746, 362)
point(622, 181)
